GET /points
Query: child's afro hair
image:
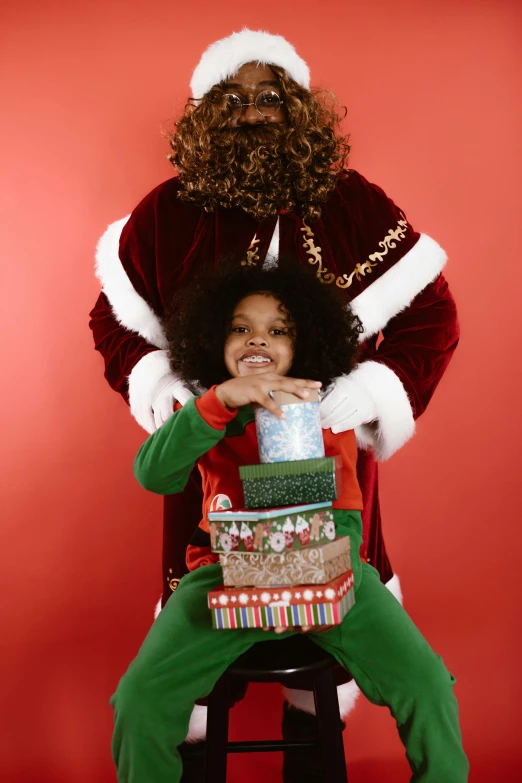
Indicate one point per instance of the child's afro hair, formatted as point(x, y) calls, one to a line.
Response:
point(326, 332)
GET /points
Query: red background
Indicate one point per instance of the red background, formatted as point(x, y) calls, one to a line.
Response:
point(433, 91)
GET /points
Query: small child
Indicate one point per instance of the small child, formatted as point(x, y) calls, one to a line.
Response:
point(243, 334)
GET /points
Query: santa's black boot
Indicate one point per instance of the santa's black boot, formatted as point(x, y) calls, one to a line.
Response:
point(193, 758)
point(301, 765)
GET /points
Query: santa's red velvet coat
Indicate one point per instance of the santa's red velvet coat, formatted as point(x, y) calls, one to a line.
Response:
point(362, 244)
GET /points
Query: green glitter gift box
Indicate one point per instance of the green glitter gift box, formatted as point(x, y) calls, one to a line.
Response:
point(290, 483)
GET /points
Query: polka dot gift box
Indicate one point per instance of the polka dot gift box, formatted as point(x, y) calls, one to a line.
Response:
point(262, 607)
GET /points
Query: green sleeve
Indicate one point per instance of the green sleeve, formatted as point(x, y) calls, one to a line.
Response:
point(164, 462)
point(349, 523)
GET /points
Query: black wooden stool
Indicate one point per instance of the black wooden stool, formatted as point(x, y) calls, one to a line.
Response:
point(295, 662)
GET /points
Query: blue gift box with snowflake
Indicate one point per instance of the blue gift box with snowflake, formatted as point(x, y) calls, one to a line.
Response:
point(289, 483)
point(271, 530)
point(298, 436)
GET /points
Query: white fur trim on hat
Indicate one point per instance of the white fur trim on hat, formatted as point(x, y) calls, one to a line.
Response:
point(224, 58)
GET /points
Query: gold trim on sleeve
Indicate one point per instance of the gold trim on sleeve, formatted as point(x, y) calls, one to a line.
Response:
point(345, 281)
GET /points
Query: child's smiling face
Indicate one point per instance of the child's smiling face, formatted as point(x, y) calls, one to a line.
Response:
point(260, 338)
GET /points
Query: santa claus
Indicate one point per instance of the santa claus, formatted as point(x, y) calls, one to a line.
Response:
point(261, 174)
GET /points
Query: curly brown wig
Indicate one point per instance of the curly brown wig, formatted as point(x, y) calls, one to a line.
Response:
point(325, 331)
point(264, 168)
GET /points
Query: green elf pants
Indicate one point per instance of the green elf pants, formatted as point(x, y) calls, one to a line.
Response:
point(182, 657)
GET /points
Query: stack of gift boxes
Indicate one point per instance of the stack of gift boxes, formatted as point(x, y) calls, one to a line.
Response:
point(282, 563)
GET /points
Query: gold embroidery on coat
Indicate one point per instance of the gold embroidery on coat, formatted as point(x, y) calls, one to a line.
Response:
point(344, 281)
point(252, 254)
point(173, 582)
point(315, 252)
point(391, 239)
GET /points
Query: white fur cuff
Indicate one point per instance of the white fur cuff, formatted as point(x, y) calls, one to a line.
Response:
point(143, 381)
point(395, 424)
point(397, 287)
point(394, 586)
point(347, 694)
point(198, 724)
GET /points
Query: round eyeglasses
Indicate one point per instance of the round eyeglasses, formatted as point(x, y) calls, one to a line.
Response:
point(267, 103)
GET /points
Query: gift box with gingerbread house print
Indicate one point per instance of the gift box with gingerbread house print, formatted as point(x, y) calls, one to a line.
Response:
point(271, 530)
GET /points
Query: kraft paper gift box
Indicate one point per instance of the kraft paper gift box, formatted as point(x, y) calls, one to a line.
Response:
point(288, 483)
point(271, 530)
point(262, 607)
point(310, 565)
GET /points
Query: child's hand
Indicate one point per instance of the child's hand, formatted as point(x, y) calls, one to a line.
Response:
point(256, 388)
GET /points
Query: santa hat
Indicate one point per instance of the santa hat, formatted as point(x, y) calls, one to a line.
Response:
point(223, 59)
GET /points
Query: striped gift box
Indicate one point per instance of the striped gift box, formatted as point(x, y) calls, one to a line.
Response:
point(272, 608)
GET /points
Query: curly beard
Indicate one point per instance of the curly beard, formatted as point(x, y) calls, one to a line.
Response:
point(264, 168)
point(248, 167)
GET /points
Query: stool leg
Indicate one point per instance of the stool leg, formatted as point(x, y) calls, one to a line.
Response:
point(330, 727)
point(217, 732)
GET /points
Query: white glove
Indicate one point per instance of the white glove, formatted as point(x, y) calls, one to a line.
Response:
point(153, 389)
point(346, 406)
point(167, 391)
